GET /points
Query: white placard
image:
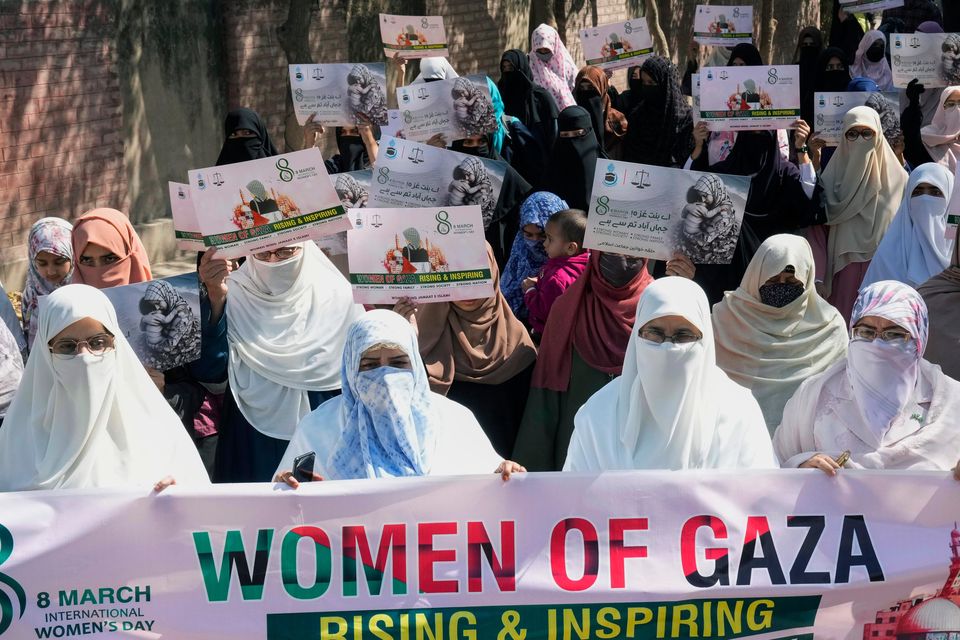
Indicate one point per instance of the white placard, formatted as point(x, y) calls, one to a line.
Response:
point(617, 45)
point(339, 94)
point(749, 98)
point(830, 108)
point(931, 58)
point(653, 212)
point(185, 224)
point(455, 109)
point(266, 203)
point(413, 36)
point(723, 26)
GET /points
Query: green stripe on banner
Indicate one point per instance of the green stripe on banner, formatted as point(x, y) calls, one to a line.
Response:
point(953, 219)
point(412, 279)
point(725, 36)
point(705, 619)
point(283, 225)
point(622, 56)
point(415, 47)
point(188, 235)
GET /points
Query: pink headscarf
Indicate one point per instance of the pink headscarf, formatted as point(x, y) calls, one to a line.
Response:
point(880, 71)
point(558, 74)
point(112, 230)
point(940, 136)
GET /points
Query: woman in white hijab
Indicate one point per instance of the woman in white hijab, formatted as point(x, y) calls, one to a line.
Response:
point(870, 60)
point(883, 406)
point(87, 415)
point(915, 247)
point(672, 408)
point(862, 187)
point(279, 344)
point(775, 330)
point(387, 422)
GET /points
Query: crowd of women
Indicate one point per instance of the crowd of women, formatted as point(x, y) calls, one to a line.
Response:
point(831, 341)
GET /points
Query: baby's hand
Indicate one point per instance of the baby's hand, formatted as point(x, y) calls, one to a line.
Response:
point(528, 283)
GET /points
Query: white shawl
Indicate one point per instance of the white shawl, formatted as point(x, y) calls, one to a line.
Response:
point(286, 325)
point(105, 425)
point(672, 408)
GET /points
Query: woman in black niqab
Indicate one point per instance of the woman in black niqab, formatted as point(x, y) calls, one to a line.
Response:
point(574, 158)
point(240, 146)
point(660, 129)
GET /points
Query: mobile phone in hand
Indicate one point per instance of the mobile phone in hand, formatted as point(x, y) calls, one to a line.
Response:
point(303, 466)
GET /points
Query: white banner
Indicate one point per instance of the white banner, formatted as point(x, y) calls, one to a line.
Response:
point(413, 36)
point(654, 212)
point(723, 26)
point(743, 98)
point(617, 45)
point(830, 108)
point(931, 58)
point(746, 554)
point(266, 203)
point(425, 254)
point(185, 224)
point(455, 109)
point(338, 94)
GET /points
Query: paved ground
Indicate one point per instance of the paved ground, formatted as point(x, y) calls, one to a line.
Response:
point(183, 263)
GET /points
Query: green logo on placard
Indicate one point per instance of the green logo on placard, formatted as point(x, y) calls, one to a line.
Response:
point(6, 605)
point(443, 223)
point(283, 166)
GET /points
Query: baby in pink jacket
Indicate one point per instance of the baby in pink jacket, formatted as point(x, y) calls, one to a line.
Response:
point(568, 259)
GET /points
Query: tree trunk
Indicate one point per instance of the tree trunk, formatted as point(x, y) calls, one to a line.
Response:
point(660, 44)
point(541, 12)
point(294, 37)
point(768, 27)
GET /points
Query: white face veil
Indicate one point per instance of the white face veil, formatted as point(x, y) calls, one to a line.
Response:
point(672, 408)
point(90, 421)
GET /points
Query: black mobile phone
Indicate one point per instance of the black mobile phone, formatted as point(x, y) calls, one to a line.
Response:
point(303, 466)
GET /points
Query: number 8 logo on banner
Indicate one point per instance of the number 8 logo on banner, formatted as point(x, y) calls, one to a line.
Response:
point(6, 606)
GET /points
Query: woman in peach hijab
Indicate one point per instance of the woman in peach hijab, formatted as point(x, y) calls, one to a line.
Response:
point(107, 250)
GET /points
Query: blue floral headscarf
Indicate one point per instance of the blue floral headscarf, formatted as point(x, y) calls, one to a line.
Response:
point(527, 257)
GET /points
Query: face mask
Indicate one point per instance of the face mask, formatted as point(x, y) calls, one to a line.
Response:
point(875, 53)
point(351, 149)
point(780, 294)
point(652, 95)
point(85, 376)
point(925, 208)
point(635, 84)
point(391, 440)
point(277, 277)
point(619, 270)
point(883, 376)
point(836, 80)
point(545, 57)
point(241, 149)
point(676, 367)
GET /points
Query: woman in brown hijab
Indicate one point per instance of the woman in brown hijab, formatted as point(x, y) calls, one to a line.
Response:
point(609, 125)
point(478, 354)
point(942, 295)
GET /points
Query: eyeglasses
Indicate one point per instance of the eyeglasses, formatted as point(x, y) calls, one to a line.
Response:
point(659, 337)
point(853, 134)
point(283, 253)
point(96, 346)
point(951, 103)
point(869, 334)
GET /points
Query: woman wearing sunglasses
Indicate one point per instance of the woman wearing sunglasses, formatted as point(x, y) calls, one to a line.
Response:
point(87, 414)
point(862, 189)
point(883, 406)
point(277, 339)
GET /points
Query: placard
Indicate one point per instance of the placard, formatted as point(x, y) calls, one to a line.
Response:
point(413, 36)
point(266, 203)
point(723, 26)
point(394, 126)
point(455, 109)
point(653, 212)
point(185, 225)
point(160, 319)
point(413, 174)
point(353, 189)
point(861, 6)
point(830, 108)
point(931, 58)
point(617, 45)
point(749, 98)
point(339, 95)
point(426, 254)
